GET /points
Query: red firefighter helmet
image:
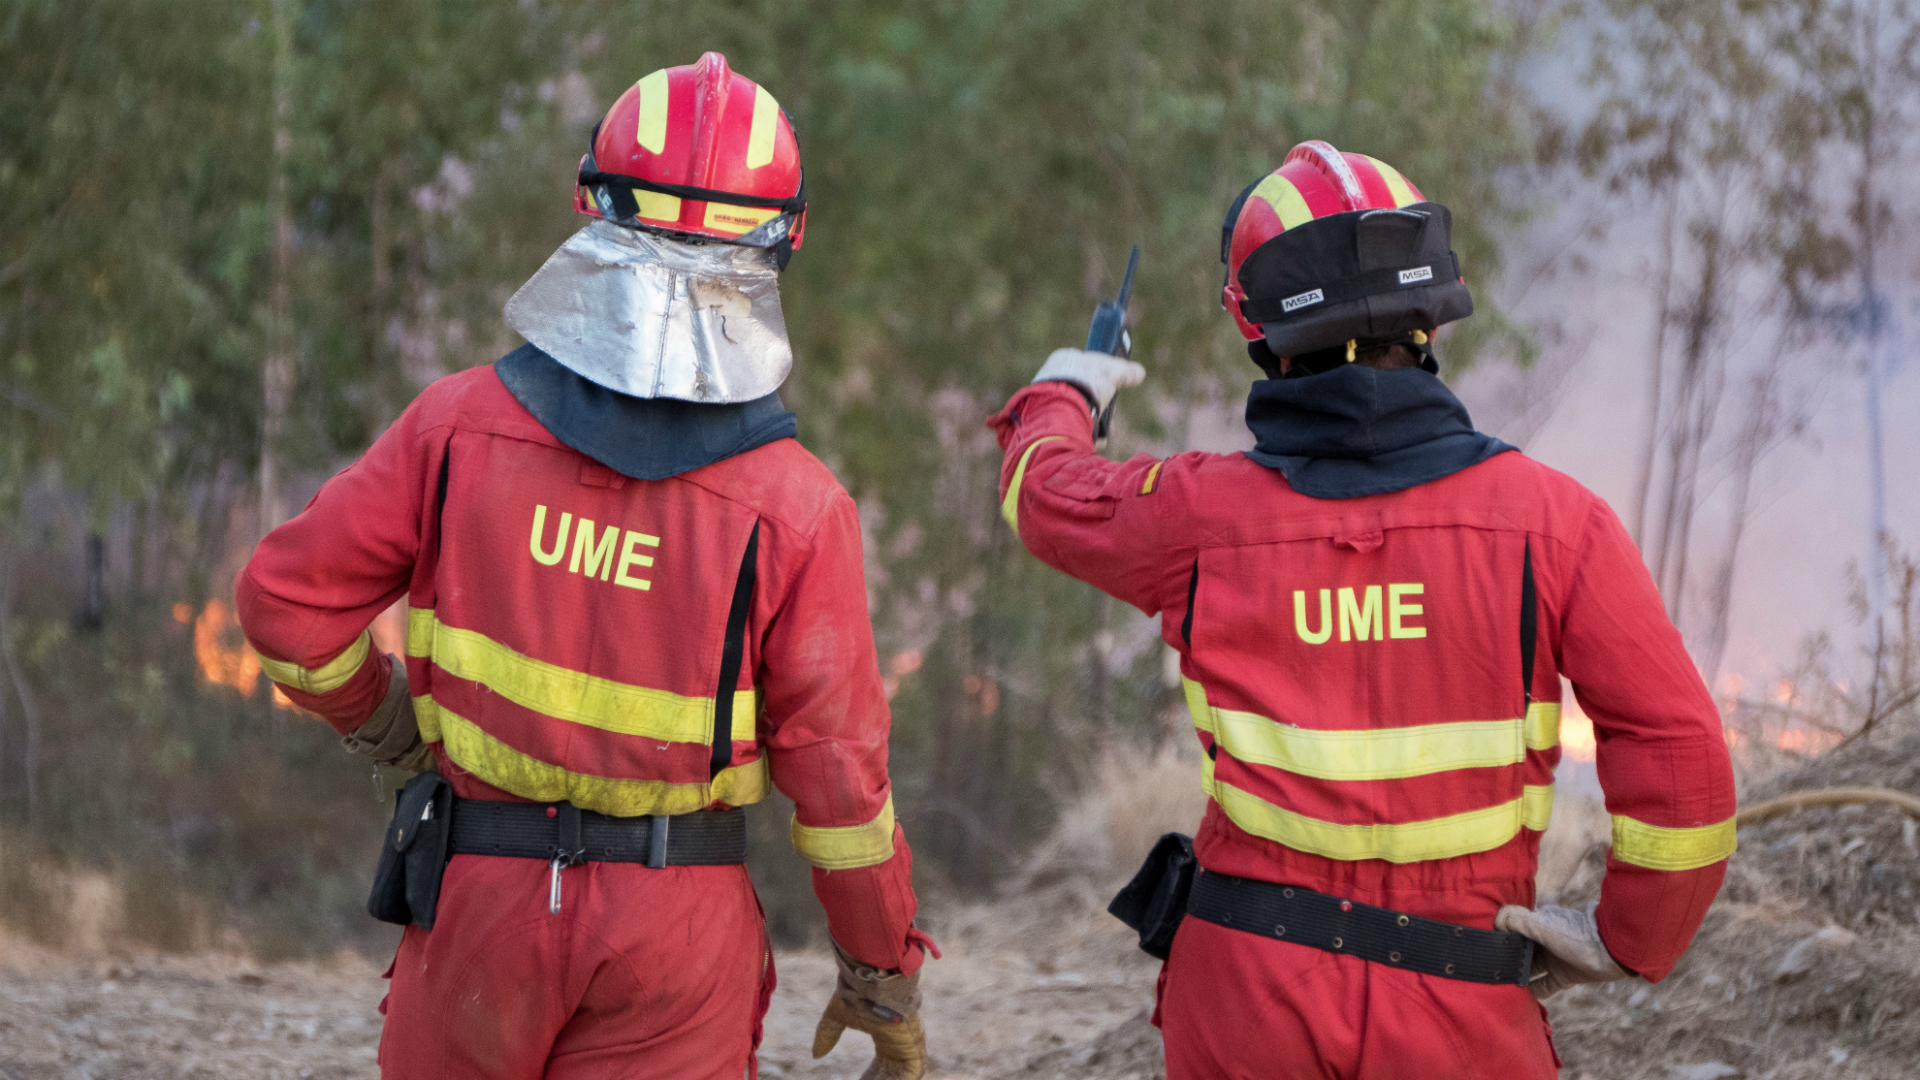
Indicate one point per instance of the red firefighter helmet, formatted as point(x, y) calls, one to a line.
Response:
point(1333, 246)
point(698, 153)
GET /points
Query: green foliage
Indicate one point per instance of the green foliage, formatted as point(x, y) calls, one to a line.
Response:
point(978, 169)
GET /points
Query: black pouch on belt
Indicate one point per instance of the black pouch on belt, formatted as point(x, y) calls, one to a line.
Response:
point(1155, 901)
point(406, 885)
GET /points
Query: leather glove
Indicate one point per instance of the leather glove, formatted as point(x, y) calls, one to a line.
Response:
point(885, 1005)
point(1098, 375)
point(391, 736)
point(1570, 953)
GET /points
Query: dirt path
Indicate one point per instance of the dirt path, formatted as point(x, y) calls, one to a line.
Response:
point(992, 1012)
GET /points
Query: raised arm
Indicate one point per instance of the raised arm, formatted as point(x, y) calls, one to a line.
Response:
point(1077, 511)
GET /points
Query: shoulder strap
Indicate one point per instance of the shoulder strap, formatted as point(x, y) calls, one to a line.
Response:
point(1529, 623)
point(733, 654)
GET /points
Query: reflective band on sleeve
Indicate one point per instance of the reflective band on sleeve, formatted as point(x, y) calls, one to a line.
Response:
point(1375, 753)
point(1398, 842)
point(326, 678)
point(575, 696)
point(530, 778)
point(846, 847)
point(1010, 506)
point(1658, 848)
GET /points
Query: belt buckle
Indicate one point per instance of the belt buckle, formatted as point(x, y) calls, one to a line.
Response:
point(569, 848)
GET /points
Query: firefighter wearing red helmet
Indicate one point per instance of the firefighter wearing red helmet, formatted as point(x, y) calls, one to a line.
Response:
point(634, 603)
point(1373, 610)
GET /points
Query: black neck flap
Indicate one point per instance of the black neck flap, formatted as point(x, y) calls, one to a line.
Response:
point(644, 438)
point(1360, 431)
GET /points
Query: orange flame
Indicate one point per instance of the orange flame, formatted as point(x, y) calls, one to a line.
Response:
point(1576, 732)
point(222, 662)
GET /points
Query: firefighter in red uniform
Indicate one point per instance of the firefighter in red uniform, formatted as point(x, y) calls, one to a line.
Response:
point(633, 602)
point(1373, 609)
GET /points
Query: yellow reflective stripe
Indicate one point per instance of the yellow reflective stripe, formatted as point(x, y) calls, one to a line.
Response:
point(1397, 185)
point(1153, 478)
point(326, 678)
point(1536, 807)
point(655, 205)
point(571, 695)
point(579, 698)
point(1543, 725)
point(651, 130)
point(1659, 848)
point(1010, 506)
point(1404, 842)
point(1285, 199)
point(737, 219)
point(530, 778)
point(1374, 753)
point(420, 624)
point(760, 136)
point(846, 847)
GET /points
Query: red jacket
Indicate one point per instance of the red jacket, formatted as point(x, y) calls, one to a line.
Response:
point(1354, 668)
point(567, 629)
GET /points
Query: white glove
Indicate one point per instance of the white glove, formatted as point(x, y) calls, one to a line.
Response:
point(1570, 953)
point(1100, 375)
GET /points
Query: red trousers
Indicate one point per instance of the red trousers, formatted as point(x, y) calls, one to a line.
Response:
point(1238, 1006)
point(644, 974)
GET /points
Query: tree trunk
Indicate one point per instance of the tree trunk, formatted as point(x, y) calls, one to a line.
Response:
point(278, 375)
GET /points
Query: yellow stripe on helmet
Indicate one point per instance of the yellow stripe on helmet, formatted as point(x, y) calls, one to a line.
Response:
point(1397, 185)
point(1285, 199)
point(766, 112)
point(651, 132)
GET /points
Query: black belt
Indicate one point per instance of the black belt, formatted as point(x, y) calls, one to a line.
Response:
point(566, 834)
point(1393, 938)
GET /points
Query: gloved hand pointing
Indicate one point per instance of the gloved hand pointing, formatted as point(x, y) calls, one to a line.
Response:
point(1099, 375)
point(885, 1005)
point(1570, 953)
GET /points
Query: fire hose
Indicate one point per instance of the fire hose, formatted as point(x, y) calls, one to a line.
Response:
point(1833, 796)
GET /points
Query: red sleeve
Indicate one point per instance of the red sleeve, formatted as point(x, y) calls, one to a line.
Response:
point(1070, 505)
point(314, 585)
point(1662, 756)
point(827, 722)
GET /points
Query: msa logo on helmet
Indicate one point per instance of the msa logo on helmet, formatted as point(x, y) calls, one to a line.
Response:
point(1295, 303)
point(1418, 273)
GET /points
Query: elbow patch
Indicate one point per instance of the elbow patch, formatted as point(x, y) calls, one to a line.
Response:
point(326, 678)
point(846, 847)
point(1658, 848)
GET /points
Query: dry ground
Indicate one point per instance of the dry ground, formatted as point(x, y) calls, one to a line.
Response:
point(1808, 966)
